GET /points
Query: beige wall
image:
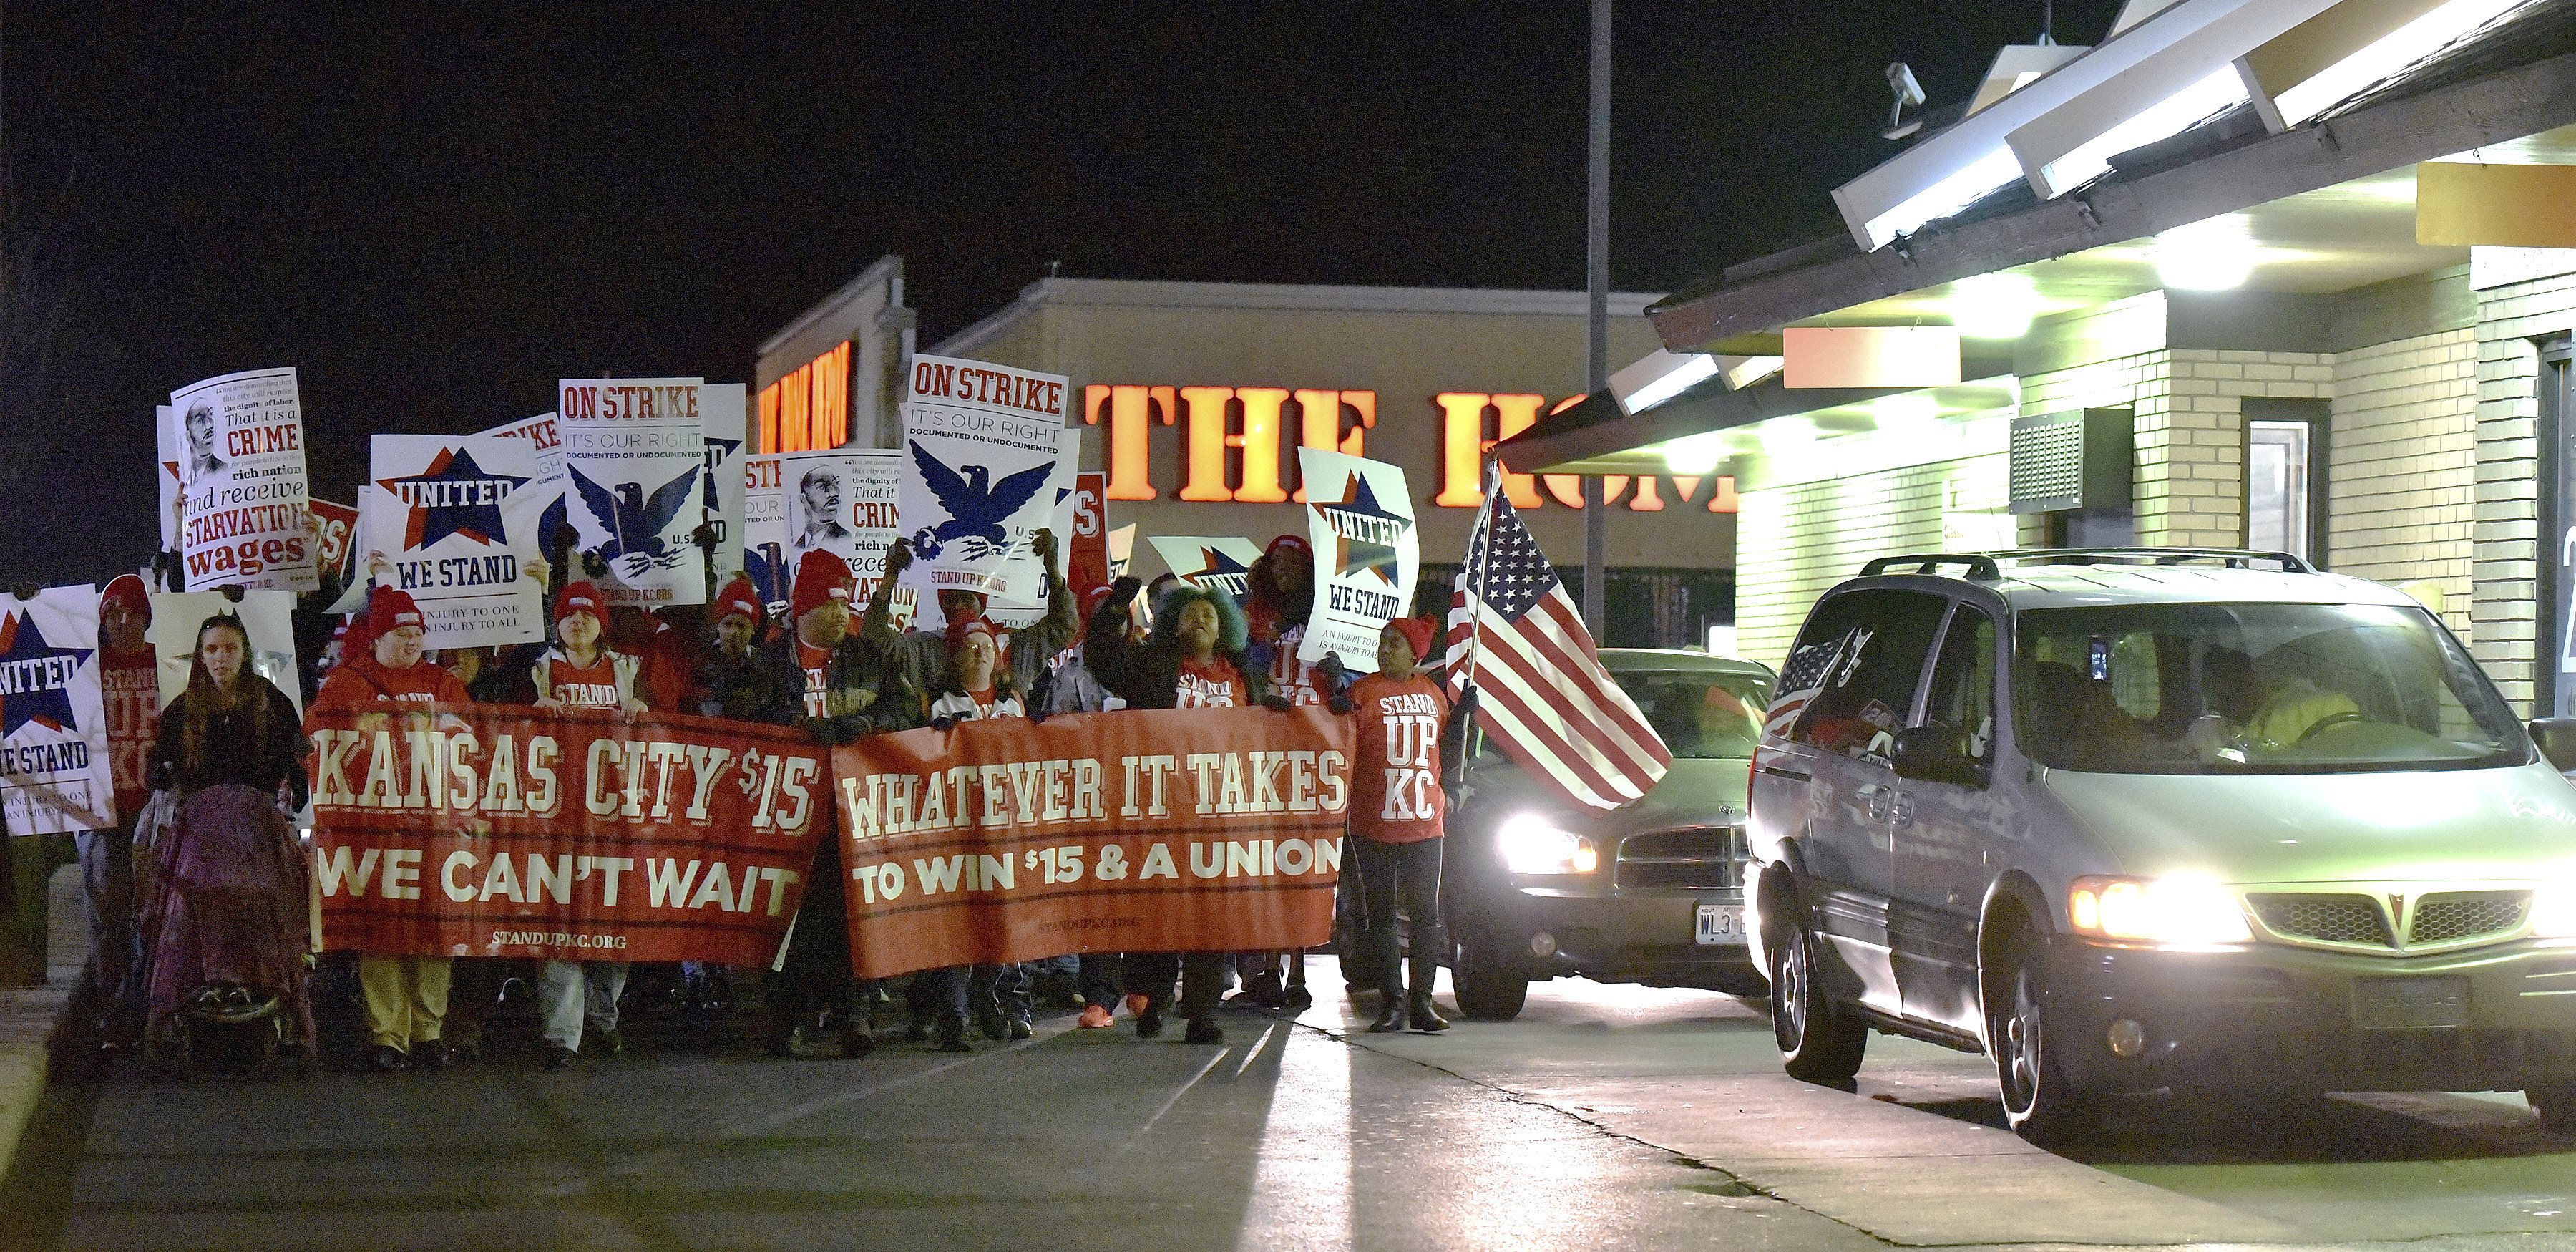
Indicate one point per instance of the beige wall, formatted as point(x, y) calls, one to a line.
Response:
point(2512, 317)
point(1405, 357)
point(2402, 487)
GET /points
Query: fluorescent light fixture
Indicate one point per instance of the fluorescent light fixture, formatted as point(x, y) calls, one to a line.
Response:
point(2217, 254)
point(1906, 413)
point(1993, 306)
point(1697, 456)
point(1659, 376)
point(1744, 371)
point(2171, 116)
point(1783, 435)
point(2384, 57)
point(1962, 188)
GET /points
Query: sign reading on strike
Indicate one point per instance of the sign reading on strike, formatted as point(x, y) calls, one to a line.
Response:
point(1140, 831)
point(584, 834)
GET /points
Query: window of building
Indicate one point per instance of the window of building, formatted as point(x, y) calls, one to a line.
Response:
point(2284, 490)
point(2555, 684)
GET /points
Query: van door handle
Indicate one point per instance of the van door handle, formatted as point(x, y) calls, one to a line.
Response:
point(1875, 800)
point(1901, 810)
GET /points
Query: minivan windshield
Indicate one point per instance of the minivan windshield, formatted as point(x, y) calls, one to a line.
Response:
point(2253, 688)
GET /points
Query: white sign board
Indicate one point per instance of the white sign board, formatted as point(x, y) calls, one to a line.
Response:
point(55, 775)
point(240, 440)
point(981, 446)
point(634, 454)
point(458, 515)
point(842, 501)
point(1366, 553)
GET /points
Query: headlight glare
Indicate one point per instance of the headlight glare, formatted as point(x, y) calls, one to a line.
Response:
point(1530, 844)
point(2178, 912)
point(2553, 911)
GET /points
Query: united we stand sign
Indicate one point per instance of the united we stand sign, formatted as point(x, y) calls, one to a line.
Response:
point(486, 830)
point(1139, 831)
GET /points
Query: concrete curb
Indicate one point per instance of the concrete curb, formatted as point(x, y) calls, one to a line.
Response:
point(30, 1016)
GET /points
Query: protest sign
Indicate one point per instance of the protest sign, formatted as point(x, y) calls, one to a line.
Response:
point(454, 515)
point(726, 427)
point(546, 434)
point(1366, 554)
point(1163, 831)
point(581, 834)
point(842, 501)
point(1217, 562)
point(1087, 557)
point(335, 556)
point(1122, 550)
point(981, 445)
point(169, 492)
point(268, 617)
point(55, 775)
point(1013, 612)
point(764, 530)
point(634, 450)
point(240, 443)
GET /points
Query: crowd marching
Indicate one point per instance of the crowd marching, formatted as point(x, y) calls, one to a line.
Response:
point(834, 669)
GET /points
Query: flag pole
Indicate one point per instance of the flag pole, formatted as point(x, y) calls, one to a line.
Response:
point(1480, 538)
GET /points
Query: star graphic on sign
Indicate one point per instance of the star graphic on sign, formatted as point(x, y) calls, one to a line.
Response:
point(430, 523)
point(1216, 563)
point(31, 698)
point(1360, 511)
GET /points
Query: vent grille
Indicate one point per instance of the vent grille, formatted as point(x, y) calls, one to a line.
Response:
point(2048, 459)
point(1704, 859)
point(2449, 918)
point(2324, 918)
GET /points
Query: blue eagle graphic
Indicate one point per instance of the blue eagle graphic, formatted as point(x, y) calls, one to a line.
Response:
point(977, 506)
point(635, 524)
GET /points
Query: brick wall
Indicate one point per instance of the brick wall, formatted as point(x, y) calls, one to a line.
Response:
point(2505, 570)
point(2402, 473)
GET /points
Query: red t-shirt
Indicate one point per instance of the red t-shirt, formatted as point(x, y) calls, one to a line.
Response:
point(593, 686)
point(814, 661)
point(133, 692)
point(1395, 771)
point(1214, 685)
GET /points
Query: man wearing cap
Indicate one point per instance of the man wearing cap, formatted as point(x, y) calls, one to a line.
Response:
point(920, 657)
point(738, 621)
point(819, 677)
point(580, 674)
point(406, 994)
point(131, 686)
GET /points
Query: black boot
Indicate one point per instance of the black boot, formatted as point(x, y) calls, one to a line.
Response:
point(1390, 1017)
point(1426, 1019)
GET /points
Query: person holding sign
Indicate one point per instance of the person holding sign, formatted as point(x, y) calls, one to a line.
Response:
point(817, 677)
point(406, 996)
point(1395, 816)
point(580, 674)
point(1194, 659)
point(728, 664)
point(921, 657)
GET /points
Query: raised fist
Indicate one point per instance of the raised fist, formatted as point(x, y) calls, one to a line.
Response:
point(898, 556)
point(1043, 543)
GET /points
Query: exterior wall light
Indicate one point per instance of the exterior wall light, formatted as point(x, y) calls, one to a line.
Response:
point(2213, 255)
point(1993, 306)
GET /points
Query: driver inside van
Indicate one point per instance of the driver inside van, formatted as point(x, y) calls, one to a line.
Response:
point(2244, 718)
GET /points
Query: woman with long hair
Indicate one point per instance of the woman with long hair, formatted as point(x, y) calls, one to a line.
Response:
point(227, 896)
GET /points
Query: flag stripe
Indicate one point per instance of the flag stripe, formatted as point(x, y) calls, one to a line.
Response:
point(1546, 659)
point(1569, 705)
point(1537, 733)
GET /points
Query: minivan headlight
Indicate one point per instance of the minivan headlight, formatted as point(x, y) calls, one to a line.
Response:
point(2178, 912)
point(1531, 844)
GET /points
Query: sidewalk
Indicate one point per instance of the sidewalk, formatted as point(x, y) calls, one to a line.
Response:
point(28, 1014)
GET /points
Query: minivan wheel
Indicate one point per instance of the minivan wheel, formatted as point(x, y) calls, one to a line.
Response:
point(1816, 1044)
point(2555, 1104)
point(1487, 990)
point(2039, 1103)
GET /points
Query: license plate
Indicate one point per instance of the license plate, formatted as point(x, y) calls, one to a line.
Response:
point(2409, 1003)
point(1720, 923)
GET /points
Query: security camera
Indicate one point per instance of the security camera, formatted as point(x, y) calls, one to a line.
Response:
point(1909, 94)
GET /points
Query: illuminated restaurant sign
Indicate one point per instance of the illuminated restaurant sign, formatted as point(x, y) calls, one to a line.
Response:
point(1256, 421)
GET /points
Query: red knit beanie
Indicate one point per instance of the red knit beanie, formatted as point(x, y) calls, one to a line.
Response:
point(388, 610)
point(127, 590)
point(1416, 631)
point(820, 576)
point(739, 597)
point(964, 626)
point(581, 597)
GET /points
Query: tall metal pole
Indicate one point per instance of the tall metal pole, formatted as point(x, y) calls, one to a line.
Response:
point(1596, 257)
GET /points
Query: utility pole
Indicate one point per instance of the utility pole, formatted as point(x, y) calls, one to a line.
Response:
point(1596, 257)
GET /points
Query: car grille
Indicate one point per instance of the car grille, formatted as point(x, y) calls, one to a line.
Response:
point(2467, 915)
point(1700, 859)
point(2324, 918)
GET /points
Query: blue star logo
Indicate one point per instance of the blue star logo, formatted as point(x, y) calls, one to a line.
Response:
point(454, 496)
point(1219, 572)
point(1364, 533)
point(35, 678)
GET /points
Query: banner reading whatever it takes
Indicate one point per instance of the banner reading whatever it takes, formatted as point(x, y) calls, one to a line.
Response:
point(1139, 831)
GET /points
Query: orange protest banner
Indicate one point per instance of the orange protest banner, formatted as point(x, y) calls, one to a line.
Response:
point(1136, 831)
point(580, 835)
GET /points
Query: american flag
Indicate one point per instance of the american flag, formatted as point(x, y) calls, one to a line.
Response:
point(1547, 702)
point(1800, 680)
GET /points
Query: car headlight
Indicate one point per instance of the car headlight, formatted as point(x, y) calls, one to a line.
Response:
point(1530, 844)
point(2180, 912)
point(2553, 911)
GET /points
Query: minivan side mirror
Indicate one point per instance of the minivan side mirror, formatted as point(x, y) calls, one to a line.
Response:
point(1940, 754)
point(2556, 737)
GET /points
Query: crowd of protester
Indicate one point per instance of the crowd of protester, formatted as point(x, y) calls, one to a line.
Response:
point(833, 669)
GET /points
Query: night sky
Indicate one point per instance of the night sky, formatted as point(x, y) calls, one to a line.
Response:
point(434, 215)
